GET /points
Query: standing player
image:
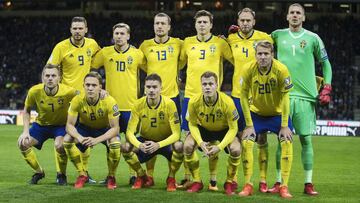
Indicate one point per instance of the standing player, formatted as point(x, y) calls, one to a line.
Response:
point(121, 63)
point(159, 133)
point(162, 57)
point(268, 81)
point(242, 45)
point(299, 49)
point(203, 52)
point(51, 100)
point(212, 118)
point(98, 123)
point(74, 57)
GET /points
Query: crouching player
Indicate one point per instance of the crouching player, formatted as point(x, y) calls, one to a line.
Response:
point(268, 81)
point(98, 123)
point(51, 101)
point(159, 133)
point(212, 117)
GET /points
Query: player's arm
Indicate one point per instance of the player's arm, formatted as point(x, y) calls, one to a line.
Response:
point(98, 60)
point(174, 125)
point(131, 129)
point(56, 56)
point(245, 83)
point(193, 127)
point(183, 56)
point(72, 119)
point(227, 53)
point(181, 61)
point(285, 109)
point(143, 61)
point(232, 117)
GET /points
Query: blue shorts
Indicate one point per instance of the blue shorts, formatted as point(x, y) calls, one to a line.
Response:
point(42, 133)
point(124, 120)
point(89, 132)
point(184, 124)
point(165, 151)
point(211, 136)
point(177, 103)
point(263, 124)
point(241, 120)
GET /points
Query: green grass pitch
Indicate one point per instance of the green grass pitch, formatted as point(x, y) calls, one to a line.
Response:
point(336, 176)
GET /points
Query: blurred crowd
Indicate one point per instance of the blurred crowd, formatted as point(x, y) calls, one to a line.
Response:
point(26, 44)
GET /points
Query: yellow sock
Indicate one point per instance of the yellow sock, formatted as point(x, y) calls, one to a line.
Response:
point(187, 173)
point(113, 157)
point(263, 155)
point(60, 161)
point(134, 163)
point(150, 165)
point(30, 157)
point(175, 163)
point(232, 167)
point(286, 161)
point(248, 159)
point(192, 162)
point(213, 160)
point(75, 156)
point(85, 158)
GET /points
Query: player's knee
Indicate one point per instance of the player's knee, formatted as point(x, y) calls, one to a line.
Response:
point(125, 147)
point(68, 138)
point(178, 147)
point(235, 150)
point(188, 148)
point(262, 139)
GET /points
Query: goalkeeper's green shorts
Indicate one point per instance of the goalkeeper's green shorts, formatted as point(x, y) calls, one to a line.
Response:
point(303, 116)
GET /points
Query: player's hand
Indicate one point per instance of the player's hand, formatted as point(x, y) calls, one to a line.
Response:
point(142, 147)
point(285, 133)
point(233, 29)
point(151, 146)
point(324, 97)
point(213, 149)
point(24, 139)
point(90, 142)
point(103, 94)
point(204, 147)
point(81, 139)
point(249, 133)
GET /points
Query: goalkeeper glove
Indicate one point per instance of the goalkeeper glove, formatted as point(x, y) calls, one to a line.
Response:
point(233, 29)
point(324, 97)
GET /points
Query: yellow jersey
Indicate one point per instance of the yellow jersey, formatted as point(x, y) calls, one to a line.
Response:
point(52, 110)
point(160, 123)
point(163, 59)
point(202, 56)
point(122, 73)
point(266, 88)
point(243, 50)
point(74, 61)
point(217, 117)
point(95, 116)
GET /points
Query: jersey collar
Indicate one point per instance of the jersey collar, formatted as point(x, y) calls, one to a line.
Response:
point(58, 87)
point(95, 102)
point(162, 42)
point(296, 35)
point(122, 52)
point(243, 37)
point(217, 98)
point(76, 45)
point(157, 106)
point(267, 73)
point(205, 40)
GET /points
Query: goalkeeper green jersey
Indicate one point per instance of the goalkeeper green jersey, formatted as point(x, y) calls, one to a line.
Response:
point(299, 51)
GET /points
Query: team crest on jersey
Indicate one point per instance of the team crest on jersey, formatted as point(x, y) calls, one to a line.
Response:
point(212, 48)
point(60, 101)
point(100, 112)
point(130, 60)
point(161, 115)
point(171, 49)
point(218, 114)
point(88, 52)
point(303, 44)
point(272, 82)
